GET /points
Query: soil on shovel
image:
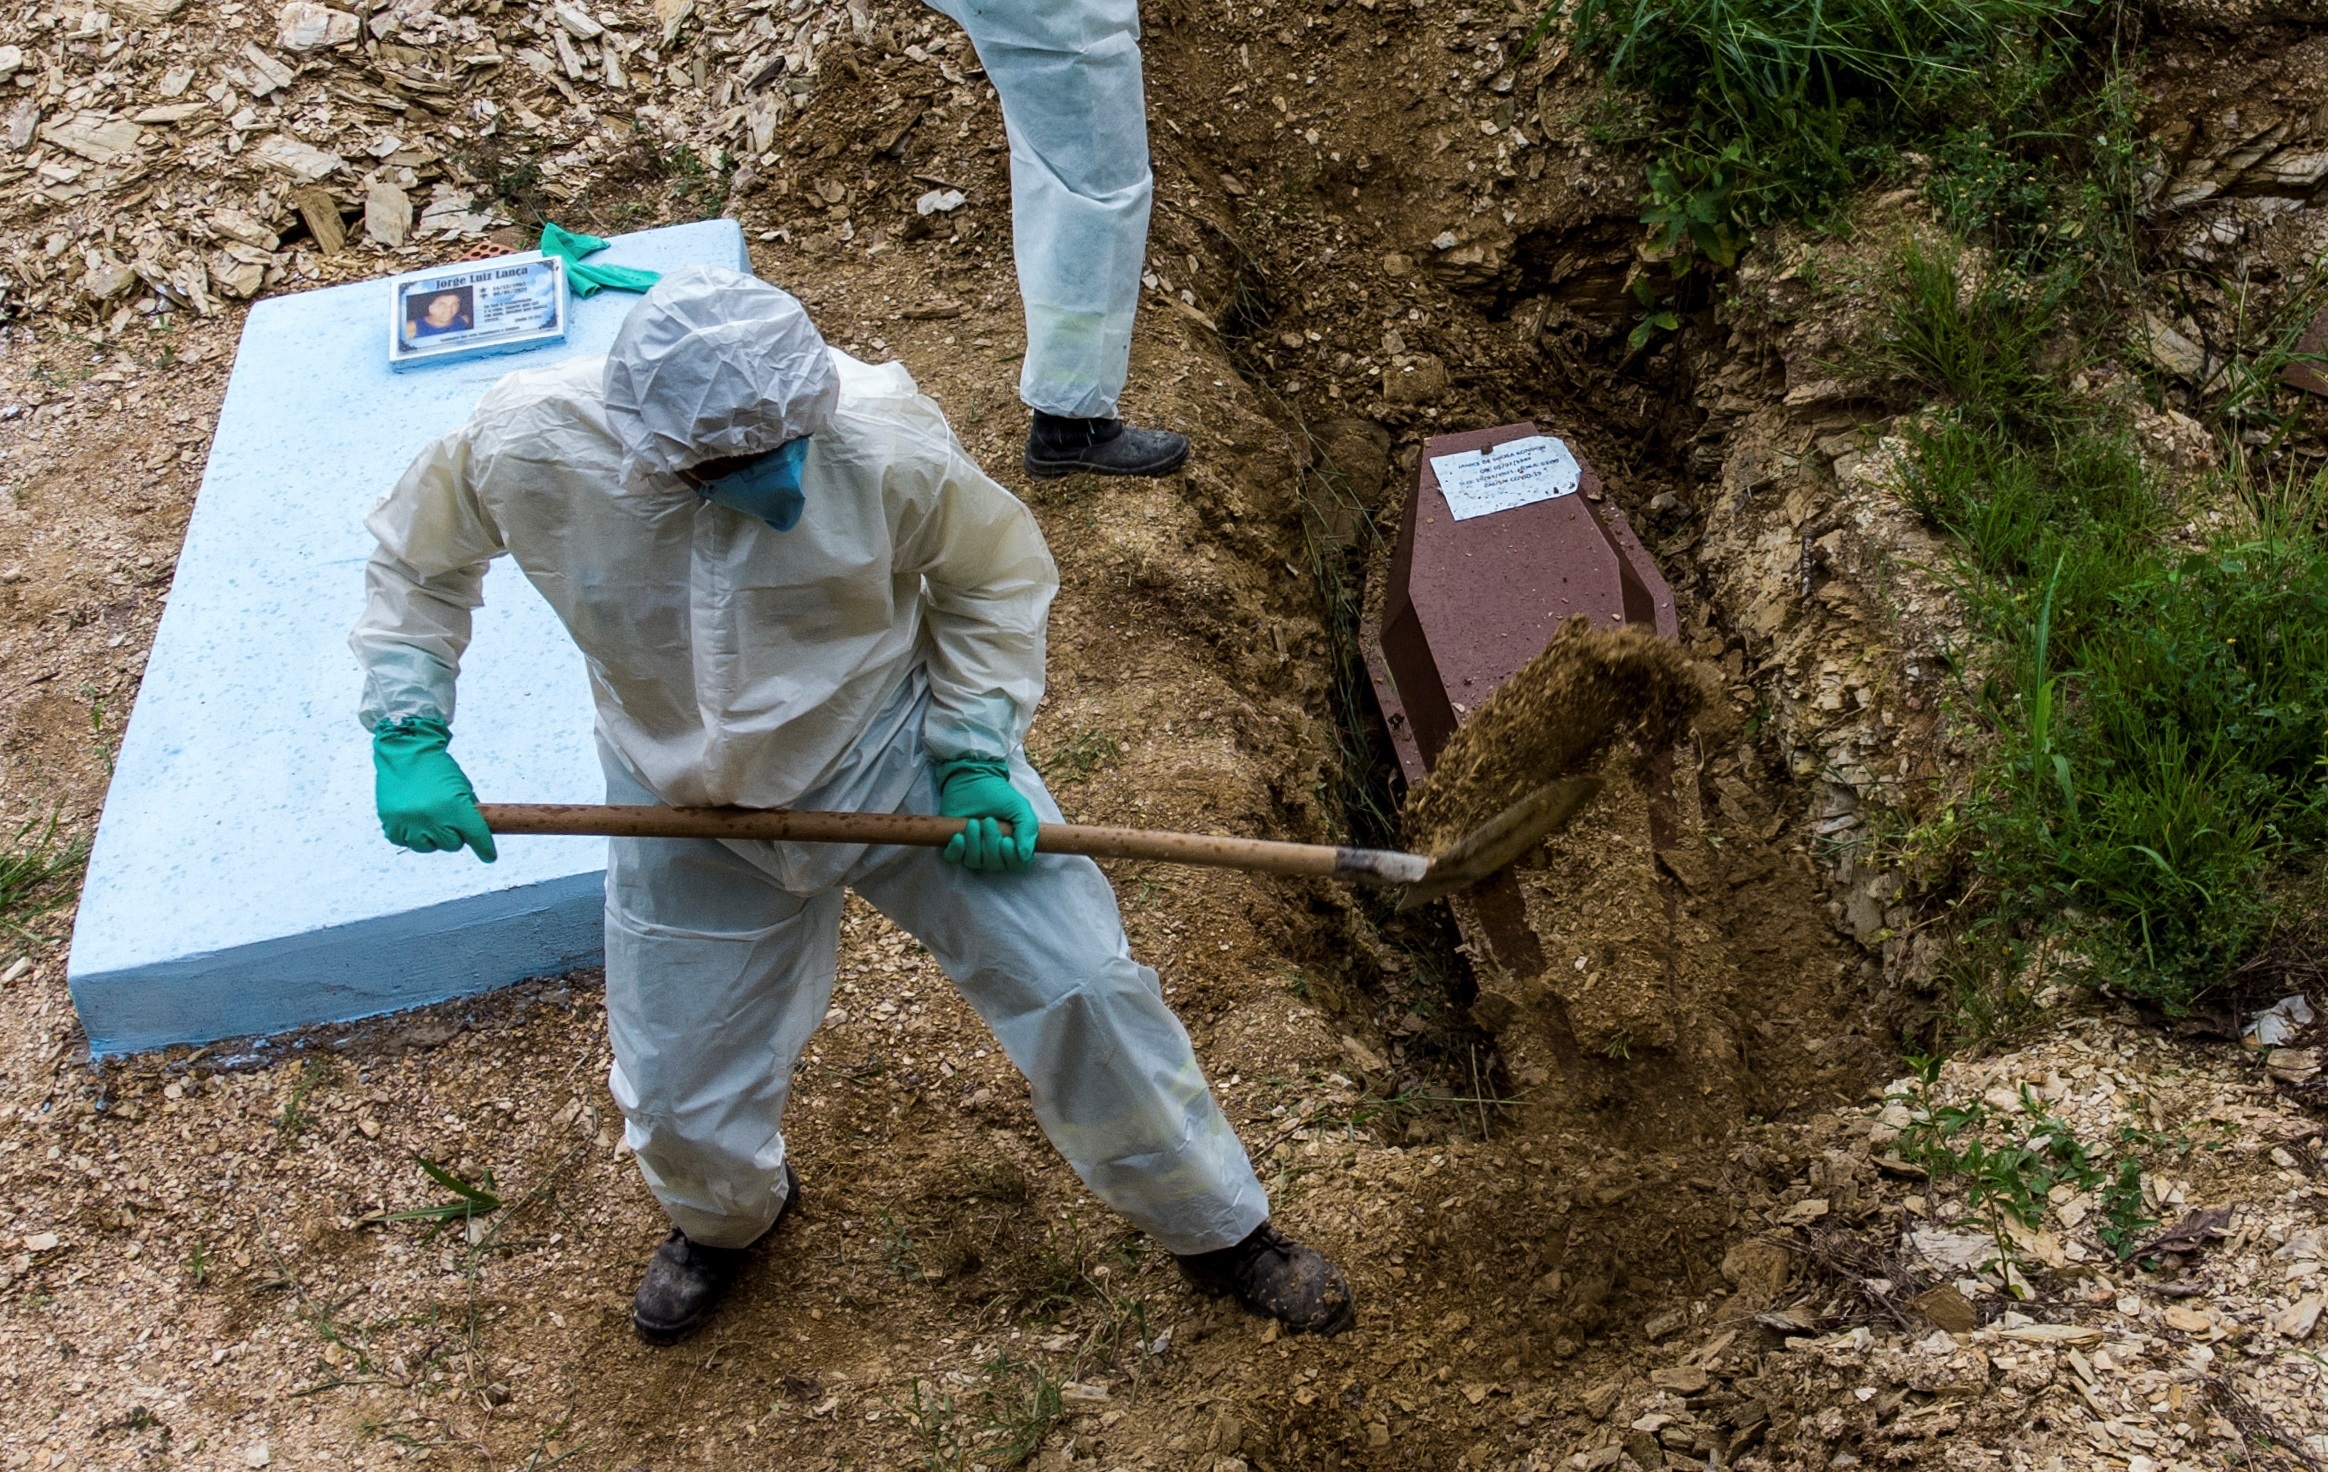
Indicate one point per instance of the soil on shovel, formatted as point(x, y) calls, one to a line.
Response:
point(1588, 688)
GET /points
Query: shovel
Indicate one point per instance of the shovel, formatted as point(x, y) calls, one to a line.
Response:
point(1473, 857)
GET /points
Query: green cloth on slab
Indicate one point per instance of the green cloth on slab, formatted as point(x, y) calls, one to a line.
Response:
point(589, 280)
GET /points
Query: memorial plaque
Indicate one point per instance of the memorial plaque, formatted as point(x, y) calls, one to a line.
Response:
point(1505, 537)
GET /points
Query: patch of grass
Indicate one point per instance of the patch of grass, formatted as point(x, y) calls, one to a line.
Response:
point(1765, 110)
point(36, 868)
point(2040, 160)
point(2248, 333)
point(998, 1422)
point(2161, 706)
point(1983, 990)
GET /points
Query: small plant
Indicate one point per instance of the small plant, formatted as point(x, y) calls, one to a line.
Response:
point(471, 1199)
point(1022, 1404)
point(324, 1319)
point(198, 1263)
point(34, 866)
point(1060, 1269)
point(899, 1248)
point(541, 1460)
point(2123, 1221)
point(1014, 1407)
point(1406, 1106)
point(1778, 109)
point(2007, 1162)
point(1091, 750)
point(97, 741)
point(295, 1118)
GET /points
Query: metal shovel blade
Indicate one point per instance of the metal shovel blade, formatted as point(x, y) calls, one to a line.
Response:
point(1477, 855)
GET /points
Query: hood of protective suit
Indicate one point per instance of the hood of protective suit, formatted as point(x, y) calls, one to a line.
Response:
point(714, 363)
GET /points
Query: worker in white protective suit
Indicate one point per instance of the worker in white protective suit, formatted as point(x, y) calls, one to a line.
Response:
point(1068, 75)
point(793, 588)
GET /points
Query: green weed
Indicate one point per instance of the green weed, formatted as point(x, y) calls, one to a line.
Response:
point(2249, 338)
point(97, 741)
point(295, 1118)
point(2123, 1222)
point(2007, 1162)
point(34, 869)
point(1001, 1423)
point(899, 1248)
point(324, 1319)
point(515, 181)
point(470, 1198)
point(2040, 164)
point(1090, 751)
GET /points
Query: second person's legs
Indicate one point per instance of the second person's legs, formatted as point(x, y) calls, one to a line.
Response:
point(1068, 74)
point(1073, 105)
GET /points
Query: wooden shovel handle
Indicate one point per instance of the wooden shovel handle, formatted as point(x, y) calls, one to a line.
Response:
point(785, 825)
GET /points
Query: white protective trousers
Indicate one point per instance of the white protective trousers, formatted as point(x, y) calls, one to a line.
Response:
point(719, 965)
point(1068, 74)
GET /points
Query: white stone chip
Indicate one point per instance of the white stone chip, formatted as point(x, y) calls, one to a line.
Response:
point(304, 162)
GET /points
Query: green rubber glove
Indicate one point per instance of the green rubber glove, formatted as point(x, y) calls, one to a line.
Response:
point(425, 801)
point(589, 280)
point(978, 788)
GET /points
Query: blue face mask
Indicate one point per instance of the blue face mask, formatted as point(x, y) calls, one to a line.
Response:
point(768, 487)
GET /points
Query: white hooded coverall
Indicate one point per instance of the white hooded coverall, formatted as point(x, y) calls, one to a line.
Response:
point(900, 623)
point(1068, 74)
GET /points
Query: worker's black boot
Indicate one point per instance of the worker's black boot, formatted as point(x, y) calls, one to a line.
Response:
point(1272, 1274)
point(1057, 447)
point(686, 1280)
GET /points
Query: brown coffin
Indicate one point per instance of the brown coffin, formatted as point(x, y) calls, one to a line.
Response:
point(1469, 602)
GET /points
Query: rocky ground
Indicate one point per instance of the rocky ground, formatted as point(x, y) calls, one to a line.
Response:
point(1744, 1243)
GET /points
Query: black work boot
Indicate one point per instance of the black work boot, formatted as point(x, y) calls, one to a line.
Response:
point(1272, 1274)
point(686, 1280)
point(1057, 447)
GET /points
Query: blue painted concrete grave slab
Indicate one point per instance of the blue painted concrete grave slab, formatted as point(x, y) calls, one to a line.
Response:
point(239, 883)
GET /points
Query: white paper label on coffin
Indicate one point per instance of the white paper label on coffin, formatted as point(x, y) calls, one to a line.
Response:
point(1516, 473)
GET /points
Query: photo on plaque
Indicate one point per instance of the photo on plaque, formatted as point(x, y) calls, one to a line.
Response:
point(503, 305)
